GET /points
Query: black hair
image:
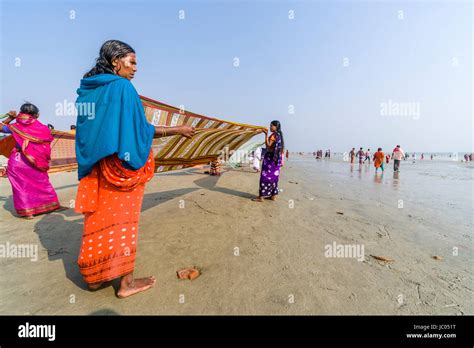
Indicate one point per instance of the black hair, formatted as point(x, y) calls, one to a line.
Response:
point(73, 126)
point(110, 50)
point(29, 109)
point(278, 127)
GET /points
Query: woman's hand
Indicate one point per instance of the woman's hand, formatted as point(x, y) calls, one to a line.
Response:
point(11, 116)
point(186, 131)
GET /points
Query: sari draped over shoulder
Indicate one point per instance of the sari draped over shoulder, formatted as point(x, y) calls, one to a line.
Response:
point(28, 165)
point(115, 160)
point(110, 120)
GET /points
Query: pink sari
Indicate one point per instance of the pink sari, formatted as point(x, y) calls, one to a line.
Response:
point(28, 165)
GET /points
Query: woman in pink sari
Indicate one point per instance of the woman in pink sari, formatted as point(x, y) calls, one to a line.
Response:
point(28, 163)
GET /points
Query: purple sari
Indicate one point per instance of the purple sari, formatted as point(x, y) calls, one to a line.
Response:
point(271, 169)
point(28, 165)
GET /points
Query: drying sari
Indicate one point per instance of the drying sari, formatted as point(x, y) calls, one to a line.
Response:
point(113, 148)
point(28, 165)
point(271, 168)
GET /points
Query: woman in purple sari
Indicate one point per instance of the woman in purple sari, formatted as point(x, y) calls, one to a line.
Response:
point(272, 162)
point(28, 163)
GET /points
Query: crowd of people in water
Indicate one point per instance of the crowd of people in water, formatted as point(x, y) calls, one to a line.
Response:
point(380, 159)
point(319, 154)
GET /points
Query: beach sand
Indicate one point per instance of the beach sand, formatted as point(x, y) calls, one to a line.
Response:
point(192, 219)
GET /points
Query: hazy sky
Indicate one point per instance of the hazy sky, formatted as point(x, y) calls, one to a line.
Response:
point(337, 74)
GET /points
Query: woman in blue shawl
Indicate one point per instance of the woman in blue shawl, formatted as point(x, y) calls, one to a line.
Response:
point(272, 162)
point(115, 160)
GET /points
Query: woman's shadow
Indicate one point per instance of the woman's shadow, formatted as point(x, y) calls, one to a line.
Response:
point(60, 233)
point(8, 206)
point(61, 239)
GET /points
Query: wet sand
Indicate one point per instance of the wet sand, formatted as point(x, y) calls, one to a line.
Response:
point(281, 267)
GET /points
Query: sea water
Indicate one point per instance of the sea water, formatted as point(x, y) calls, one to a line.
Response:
point(438, 191)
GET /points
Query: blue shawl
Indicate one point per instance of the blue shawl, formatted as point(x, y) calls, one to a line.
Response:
point(110, 119)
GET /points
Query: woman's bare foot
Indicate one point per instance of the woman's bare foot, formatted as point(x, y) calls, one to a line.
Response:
point(130, 286)
point(258, 199)
point(273, 198)
point(28, 217)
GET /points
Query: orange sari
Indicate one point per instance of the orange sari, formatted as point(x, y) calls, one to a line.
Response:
point(110, 198)
point(378, 159)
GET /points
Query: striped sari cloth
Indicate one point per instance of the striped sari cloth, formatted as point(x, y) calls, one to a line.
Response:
point(214, 138)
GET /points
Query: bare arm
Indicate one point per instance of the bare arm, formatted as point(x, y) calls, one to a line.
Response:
point(185, 131)
point(269, 141)
point(8, 120)
point(11, 117)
